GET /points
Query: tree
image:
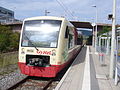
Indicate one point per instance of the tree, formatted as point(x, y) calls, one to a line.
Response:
point(14, 39)
point(8, 39)
point(4, 37)
point(106, 29)
point(3, 42)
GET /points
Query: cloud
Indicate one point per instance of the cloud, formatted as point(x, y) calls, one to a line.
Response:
point(82, 9)
point(25, 5)
point(30, 7)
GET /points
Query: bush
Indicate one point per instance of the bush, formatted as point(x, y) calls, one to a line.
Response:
point(8, 39)
point(14, 39)
point(3, 42)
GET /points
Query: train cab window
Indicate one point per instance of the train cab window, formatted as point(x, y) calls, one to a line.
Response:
point(41, 33)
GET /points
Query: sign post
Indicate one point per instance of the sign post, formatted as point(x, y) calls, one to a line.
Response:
point(93, 39)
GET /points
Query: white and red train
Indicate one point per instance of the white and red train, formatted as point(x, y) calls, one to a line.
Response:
point(47, 45)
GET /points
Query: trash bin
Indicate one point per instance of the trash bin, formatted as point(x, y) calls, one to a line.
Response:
point(101, 58)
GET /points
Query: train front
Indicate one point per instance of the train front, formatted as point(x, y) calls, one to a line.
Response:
point(38, 47)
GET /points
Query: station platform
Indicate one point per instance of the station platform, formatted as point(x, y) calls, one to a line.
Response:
point(87, 73)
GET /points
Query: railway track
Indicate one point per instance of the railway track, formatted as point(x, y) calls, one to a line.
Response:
point(37, 83)
point(32, 83)
point(18, 83)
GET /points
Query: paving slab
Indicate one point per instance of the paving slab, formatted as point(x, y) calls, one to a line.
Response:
point(102, 72)
point(73, 79)
point(98, 79)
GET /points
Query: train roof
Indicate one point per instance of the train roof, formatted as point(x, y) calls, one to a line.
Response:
point(45, 17)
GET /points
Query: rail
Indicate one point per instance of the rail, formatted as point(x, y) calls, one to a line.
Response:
point(36, 83)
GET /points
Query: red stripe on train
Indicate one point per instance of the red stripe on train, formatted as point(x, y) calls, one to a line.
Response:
point(41, 71)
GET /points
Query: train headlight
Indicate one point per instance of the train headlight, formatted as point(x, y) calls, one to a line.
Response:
point(22, 51)
point(53, 52)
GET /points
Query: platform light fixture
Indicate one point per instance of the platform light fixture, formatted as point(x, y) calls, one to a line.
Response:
point(46, 12)
point(110, 16)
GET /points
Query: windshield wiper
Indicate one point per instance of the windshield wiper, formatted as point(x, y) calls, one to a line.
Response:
point(31, 42)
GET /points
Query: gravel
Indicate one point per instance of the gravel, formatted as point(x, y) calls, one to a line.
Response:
point(8, 69)
point(10, 79)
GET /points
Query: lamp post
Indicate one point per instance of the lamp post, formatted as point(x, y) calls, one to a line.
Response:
point(93, 39)
point(112, 60)
point(96, 16)
point(46, 12)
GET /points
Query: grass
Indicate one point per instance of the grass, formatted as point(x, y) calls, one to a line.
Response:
point(8, 62)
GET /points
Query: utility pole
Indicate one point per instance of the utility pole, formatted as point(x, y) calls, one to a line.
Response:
point(112, 60)
point(46, 12)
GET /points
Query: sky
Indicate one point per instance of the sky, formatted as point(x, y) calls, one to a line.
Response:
point(80, 10)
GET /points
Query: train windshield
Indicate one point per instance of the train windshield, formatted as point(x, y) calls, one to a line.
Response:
point(41, 33)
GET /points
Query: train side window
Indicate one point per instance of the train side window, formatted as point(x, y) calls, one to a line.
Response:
point(66, 32)
point(71, 39)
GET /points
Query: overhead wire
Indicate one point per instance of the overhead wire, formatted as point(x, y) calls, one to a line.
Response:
point(65, 8)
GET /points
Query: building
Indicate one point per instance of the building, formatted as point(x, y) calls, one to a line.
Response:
point(6, 15)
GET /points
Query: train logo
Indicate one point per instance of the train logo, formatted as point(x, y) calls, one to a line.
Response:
point(40, 52)
point(44, 52)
